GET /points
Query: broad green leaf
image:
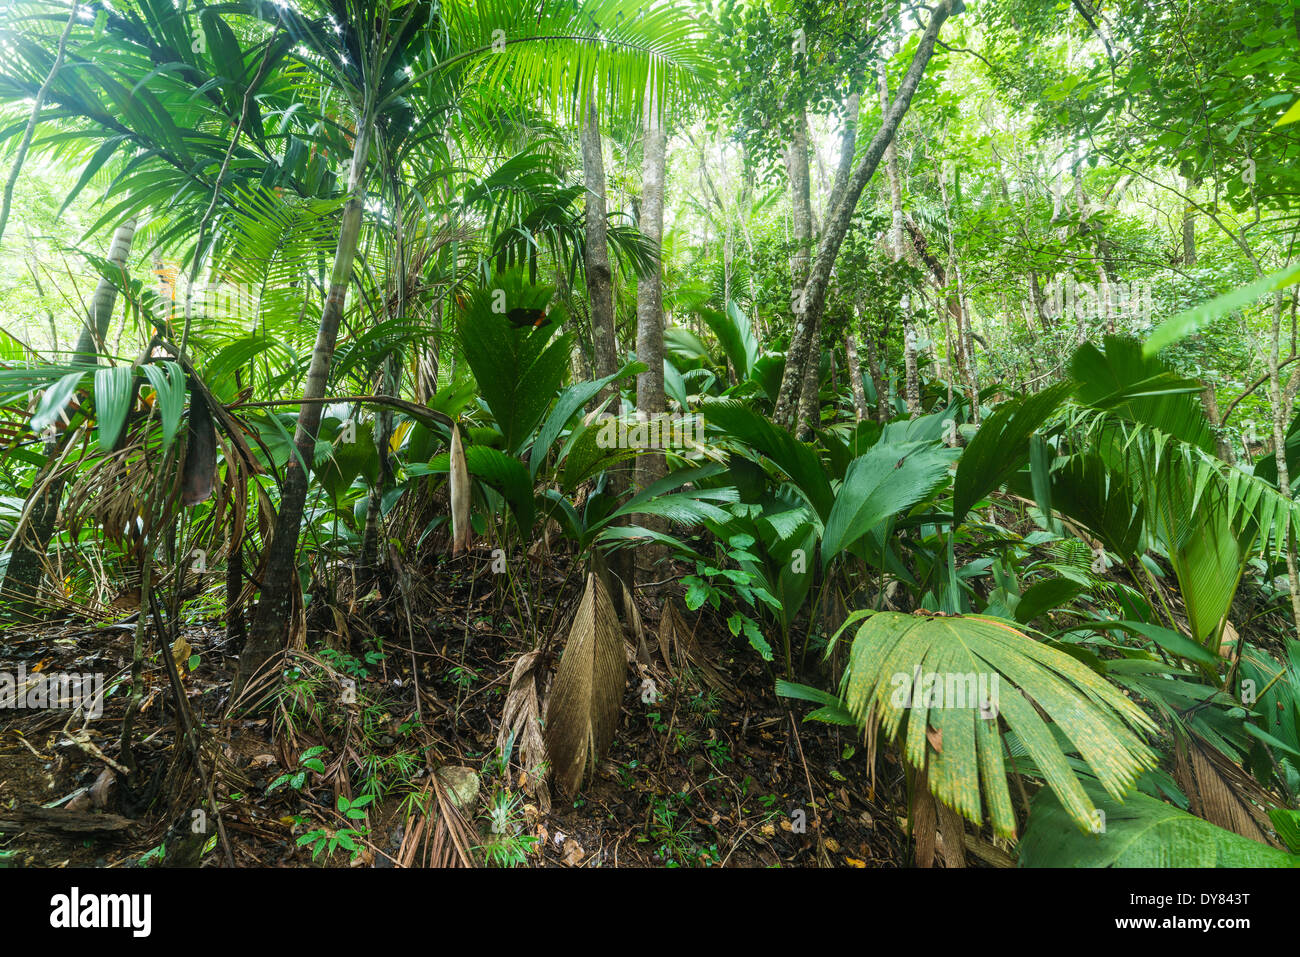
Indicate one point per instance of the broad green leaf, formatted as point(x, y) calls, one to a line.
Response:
point(1139, 832)
point(168, 381)
point(112, 403)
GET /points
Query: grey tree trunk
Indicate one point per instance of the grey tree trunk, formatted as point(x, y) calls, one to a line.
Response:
point(1282, 399)
point(860, 408)
point(600, 284)
point(1189, 229)
point(275, 604)
point(600, 296)
point(650, 401)
point(94, 329)
point(810, 389)
point(792, 379)
point(960, 309)
point(911, 374)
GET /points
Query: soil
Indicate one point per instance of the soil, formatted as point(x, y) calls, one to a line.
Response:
point(708, 768)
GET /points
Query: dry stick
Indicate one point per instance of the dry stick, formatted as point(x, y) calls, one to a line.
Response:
point(410, 408)
point(31, 120)
point(821, 850)
point(187, 723)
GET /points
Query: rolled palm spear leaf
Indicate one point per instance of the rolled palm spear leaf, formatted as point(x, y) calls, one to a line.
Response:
point(1031, 688)
point(588, 692)
point(460, 494)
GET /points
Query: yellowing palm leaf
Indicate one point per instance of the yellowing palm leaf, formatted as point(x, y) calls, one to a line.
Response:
point(1033, 689)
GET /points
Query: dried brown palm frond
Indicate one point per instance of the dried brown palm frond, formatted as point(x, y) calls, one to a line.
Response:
point(1221, 792)
point(673, 638)
point(680, 651)
point(199, 471)
point(438, 834)
point(588, 692)
point(636, 627)
point(939, 831)
point(521, 726)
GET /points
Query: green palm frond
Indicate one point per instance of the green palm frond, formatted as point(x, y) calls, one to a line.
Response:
point(1041, 694)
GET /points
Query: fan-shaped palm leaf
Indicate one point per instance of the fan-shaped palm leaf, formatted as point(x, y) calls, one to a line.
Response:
point(1034, 689)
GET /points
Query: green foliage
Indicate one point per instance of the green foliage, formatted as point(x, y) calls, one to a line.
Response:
point(1139, 832)
point(891, 656)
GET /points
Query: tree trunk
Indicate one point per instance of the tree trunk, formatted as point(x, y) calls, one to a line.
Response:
point(911, 373)
point(792, 379)
point(883, 411)
point(959, 308)
point(650, 401)
point(860, 408)
point(266, 636)
point(600, 296)
point(1189, 230)
point(94, 329)
point(600, 284)
point(809, 417)
point(1282, 401)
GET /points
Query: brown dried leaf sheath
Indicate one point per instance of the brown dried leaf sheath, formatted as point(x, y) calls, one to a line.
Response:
point(588, 690)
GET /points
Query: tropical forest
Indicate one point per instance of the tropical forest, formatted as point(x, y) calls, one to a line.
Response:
point(649, 434)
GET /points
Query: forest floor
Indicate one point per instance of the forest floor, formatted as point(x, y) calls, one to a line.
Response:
point(712, 769)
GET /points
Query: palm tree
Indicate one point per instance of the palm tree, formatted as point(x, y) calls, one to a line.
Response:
point(379, 60)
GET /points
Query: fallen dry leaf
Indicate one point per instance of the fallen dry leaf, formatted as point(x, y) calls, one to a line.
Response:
point(573, 853)
point(935, 737)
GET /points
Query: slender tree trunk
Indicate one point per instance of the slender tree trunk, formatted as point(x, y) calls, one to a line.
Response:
point(883, 412)
point(1189, 229)
point(600, 284)
point(958, 306)
point(839, 219)
point(810, 404)
point(809, 417)
point(1282, 401)
point(650, 400)
point(860, 408)
point(267, 634)
point(1210, 402)
point(792, 379)
point(600, 296)
point(911, 373)
point(94, 329)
